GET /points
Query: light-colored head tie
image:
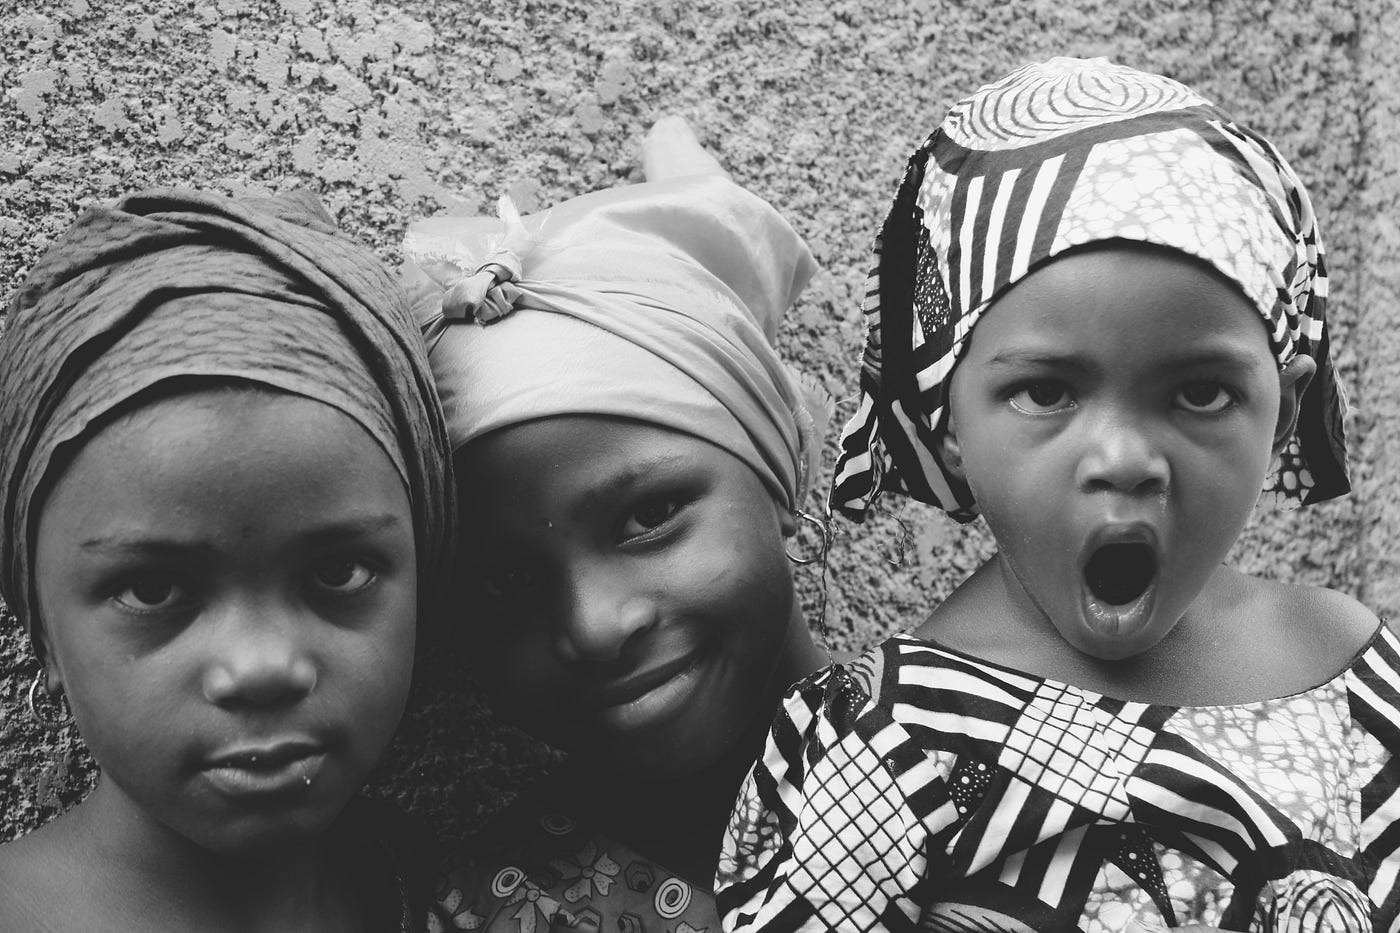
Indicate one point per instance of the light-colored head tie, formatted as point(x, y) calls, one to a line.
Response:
point(657, 302)
point(1052, 157)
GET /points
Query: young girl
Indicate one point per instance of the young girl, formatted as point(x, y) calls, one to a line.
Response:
point(1096, 318)
point(631, 454)
point(226, 499)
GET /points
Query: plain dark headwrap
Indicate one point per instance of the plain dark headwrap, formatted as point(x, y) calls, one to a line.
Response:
point(174, 284)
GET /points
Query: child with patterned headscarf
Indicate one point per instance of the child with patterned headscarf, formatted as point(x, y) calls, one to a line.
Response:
point(226, 498)
point(1095, 318)
point(631, 454)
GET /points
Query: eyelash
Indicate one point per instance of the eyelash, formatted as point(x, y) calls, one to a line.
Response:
point(672, 505)
point(1031, 384)
point(1232, 397)
point(177, 595)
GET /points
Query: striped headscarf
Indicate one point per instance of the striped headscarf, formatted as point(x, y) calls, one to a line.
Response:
point(1051, 157)
point(172, 284)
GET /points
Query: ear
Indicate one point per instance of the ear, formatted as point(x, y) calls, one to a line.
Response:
point(1293, 381)
point(949, 452)
point(53, 674)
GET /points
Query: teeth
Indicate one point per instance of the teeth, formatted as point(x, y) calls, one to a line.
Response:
point(1120, 573)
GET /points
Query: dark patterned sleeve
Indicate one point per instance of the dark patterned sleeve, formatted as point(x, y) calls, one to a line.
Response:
point(831, 825)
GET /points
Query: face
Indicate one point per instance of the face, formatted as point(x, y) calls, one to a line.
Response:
point(634, 595)
point(1114, 415)
point(227, 588)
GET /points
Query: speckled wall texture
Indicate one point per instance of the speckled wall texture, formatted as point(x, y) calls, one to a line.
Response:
point(391, 110)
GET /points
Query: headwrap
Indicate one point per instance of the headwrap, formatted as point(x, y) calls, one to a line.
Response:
point(168, 284)
point(1051, 157)
point(656, 302)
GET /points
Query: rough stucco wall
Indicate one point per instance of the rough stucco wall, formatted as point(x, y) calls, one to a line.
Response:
point(393, 110)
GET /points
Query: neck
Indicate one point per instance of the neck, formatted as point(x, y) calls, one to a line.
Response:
point(155, 872)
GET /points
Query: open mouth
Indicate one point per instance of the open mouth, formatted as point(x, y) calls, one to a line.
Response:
point(1117, 574)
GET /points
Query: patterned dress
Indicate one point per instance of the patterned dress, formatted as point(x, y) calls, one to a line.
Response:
point(920, 788)
point(537, 871)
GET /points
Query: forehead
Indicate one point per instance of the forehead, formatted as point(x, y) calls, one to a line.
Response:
point(1123, 296)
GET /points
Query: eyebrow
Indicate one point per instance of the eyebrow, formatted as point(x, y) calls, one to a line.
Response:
point(1219, 355)
point(630, 476)
point(138, 544)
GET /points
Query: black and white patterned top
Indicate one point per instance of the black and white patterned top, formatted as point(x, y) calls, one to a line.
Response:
point(920, 788)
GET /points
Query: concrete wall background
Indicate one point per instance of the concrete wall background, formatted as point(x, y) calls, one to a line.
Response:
point(391, 110)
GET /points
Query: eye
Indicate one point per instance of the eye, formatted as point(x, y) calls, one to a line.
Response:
point(649, 515)
point(1204, 396)
point(151, 593)
point(1041, 397)
point(342, 577)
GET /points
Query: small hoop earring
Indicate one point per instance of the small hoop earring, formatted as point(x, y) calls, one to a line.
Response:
point(56, 718)
point(824, 531)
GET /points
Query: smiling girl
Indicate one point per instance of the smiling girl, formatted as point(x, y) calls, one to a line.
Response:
point(1097, 320)
point(226, 499)
point(632, 455)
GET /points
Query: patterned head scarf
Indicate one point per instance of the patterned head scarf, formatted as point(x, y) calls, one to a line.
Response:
point(656, 302)
point(1054, 156)
point(171, 284)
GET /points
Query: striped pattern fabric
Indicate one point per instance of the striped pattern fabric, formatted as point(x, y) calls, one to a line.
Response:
point(919, 788)
point(1054, 156)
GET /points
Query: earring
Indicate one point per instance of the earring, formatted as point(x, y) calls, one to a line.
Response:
point(901, 543)
point(57, 715)
point(824, 532)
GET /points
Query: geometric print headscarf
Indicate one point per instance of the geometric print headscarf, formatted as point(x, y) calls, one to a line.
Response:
point(1054, 156)
point(169, 286)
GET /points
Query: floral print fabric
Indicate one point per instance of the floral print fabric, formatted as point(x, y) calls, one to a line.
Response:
point(918, 788)
point(539, 871)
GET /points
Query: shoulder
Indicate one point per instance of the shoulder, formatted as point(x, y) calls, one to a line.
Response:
point(1317, 612)
point(30, 883)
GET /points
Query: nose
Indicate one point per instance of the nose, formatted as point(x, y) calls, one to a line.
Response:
point(603, 618)
point(258, 658)
point(1121, 455)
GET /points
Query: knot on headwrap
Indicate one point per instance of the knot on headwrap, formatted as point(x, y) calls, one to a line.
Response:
point(176, 285)
point(1054, 156)
point(487, 293)
point(657, 302)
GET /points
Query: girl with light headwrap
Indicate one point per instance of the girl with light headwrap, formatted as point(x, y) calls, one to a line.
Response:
point(631, 454)
point(226, 498)
point(1096, 319)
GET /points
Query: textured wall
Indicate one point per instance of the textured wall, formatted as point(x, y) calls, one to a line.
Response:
point(393, 110)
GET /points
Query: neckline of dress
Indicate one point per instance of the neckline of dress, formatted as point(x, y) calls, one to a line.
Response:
point(1382, 633)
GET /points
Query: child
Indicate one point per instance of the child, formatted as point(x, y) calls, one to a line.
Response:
point(631, 453)
point(226, 498)
point(1103, 728)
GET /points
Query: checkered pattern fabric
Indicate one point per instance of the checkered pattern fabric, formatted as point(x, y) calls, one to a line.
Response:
point(1055, 156)
point(918, 788)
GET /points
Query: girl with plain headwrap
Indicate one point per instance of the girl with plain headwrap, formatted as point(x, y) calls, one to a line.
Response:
point(226, 500)
point(1097, 320)
point(631, 455)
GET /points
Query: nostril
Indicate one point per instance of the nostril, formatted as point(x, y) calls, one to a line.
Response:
point(259, 682)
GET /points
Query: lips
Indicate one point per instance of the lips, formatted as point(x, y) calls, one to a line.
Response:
point(1118, 568)
point(266, 769)
point(634, 687)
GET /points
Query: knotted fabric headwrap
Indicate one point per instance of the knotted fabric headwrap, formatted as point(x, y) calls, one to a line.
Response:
point(172, 284)
point(656, 302)
point(1055, 156)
